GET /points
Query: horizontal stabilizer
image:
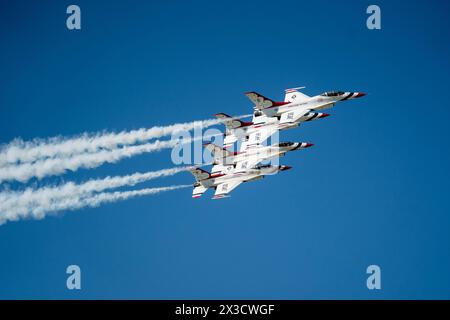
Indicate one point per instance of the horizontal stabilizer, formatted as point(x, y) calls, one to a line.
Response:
point(198, 191)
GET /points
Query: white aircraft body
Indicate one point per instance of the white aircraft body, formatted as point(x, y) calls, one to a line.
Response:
point(270, 116)
point(259, 132)
point(224, 183)
point(296, 103)
point(251, 156)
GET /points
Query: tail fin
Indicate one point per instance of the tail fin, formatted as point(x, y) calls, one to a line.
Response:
point(293, 94)
point(232, 123)
point(199, 174)
point(262, 102)
point(221, 155)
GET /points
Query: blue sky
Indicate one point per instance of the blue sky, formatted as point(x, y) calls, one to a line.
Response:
point(373, 189)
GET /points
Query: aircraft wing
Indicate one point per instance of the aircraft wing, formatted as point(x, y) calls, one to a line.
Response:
point(225, 188)
point(258, 137)
point(293, 116)
point(293, 94)
point(249, 161)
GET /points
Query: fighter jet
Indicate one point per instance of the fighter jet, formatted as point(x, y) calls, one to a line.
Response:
point(251, 156)
point(296, 108)
point(236, 130)
point(296, 104)
point(232, 168)
point(224, 183)
point(270, 116)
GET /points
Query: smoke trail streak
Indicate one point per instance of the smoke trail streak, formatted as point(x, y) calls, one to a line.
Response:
point(35, 203)
point(105, 197)
point(19, 151)
point(57, 166)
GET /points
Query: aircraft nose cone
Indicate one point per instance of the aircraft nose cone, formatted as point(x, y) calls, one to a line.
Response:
point(360, 94)
point(324, 115)
point(309, 145)
point(284, 168)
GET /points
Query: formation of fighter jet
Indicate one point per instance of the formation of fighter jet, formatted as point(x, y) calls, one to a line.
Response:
point(230, 168)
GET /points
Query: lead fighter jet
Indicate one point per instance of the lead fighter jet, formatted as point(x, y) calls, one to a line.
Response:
point(297, 104)
point(270, 116)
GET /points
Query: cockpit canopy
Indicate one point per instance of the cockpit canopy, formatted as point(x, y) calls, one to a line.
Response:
point(332, 93)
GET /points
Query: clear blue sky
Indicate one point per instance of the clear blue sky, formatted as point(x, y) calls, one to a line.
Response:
point(373, 190)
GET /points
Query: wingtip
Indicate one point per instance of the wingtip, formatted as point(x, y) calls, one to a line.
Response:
point(220, 197)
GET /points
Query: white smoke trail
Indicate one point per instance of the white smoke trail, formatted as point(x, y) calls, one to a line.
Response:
point(36, 203)
point(104, 197)
point(19, 151)
point(78, 202)
point(56, 166)
point(24, 152)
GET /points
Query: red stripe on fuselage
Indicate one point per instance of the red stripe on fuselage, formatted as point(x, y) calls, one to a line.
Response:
point(216, 175)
